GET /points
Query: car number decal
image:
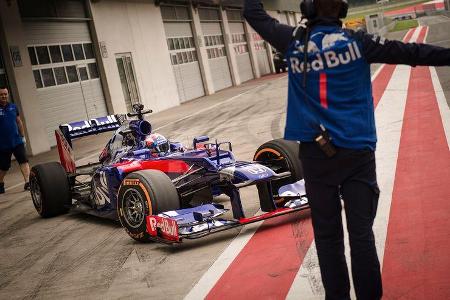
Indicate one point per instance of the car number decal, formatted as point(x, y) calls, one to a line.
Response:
point(255, 169)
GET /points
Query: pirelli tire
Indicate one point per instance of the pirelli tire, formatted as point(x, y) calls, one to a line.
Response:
point(283, 156)
point(144, 193)
point(50, 189)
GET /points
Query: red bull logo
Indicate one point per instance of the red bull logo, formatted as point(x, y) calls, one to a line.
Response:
point(162, 227)
point(327, 59)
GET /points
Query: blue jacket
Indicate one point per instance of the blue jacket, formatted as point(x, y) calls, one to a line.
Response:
point(9, 132)
point(338, 91)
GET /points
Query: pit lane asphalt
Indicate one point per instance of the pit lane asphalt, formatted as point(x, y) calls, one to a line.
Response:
point(79, 256)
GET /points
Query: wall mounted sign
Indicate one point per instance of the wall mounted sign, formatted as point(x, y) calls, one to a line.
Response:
point(15, 56)
point(103, 49)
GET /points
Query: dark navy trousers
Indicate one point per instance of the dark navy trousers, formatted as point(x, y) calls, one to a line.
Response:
point(348, 177)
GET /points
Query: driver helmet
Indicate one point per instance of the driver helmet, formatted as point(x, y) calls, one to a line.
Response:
point(157, 143)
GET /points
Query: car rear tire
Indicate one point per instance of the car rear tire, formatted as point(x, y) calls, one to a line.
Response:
point(144, 193)
point(284, 156)
point(50, 189)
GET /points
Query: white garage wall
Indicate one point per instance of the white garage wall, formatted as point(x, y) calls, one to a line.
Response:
point(21, 79)
point(136, 27)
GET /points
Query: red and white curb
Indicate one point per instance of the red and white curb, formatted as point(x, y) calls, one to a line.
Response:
point(390, 105)
point(413, 124)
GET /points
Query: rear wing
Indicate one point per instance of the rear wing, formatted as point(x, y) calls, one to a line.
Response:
point(65, 152)
point(67, 132)
point(94, 126)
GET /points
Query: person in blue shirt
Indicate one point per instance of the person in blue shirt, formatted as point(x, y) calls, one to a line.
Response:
point(330, 111)
point(11, 140)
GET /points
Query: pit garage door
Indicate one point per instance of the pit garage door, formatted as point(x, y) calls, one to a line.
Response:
point(298, 18)
point(261, 53)
point(240, 47)
point(65, 71)
point(183, 54)
point(291, 18)
point(215, 47)
point(282, 17)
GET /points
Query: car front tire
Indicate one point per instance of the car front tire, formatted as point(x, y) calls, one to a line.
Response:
point(144, 193)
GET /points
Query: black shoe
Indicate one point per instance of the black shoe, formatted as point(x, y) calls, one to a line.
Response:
point(26, 187)
point(2, 188)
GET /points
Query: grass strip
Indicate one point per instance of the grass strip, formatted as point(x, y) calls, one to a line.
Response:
point(405, 24)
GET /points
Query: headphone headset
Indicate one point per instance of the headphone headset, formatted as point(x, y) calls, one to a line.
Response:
point(309, 10)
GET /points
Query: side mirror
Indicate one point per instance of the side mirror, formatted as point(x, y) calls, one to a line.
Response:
point(200, 139)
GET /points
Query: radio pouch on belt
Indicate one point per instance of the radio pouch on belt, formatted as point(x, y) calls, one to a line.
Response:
point(323, 140)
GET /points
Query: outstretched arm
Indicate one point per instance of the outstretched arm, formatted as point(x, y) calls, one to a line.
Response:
point(278, 35)
point(380, 50)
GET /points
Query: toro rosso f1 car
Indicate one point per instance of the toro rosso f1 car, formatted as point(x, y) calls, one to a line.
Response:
point(152, 184)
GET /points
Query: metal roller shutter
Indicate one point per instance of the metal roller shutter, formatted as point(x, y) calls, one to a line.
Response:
point(291, 19)
point(183, 54)
point(215, 47)
point(261, 53)
point(240, 46)
point(283, 18)
point(65, 72)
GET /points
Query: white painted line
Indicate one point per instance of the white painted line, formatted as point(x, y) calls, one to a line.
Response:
point(416, 34)
point(434, 2)
point(307, 283)
point(14, 186)
point(442, 103)
point(377, 72)
point(426, 34)
point(389, 116)
point(210, 277)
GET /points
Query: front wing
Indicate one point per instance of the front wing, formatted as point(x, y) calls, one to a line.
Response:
point(192, 223)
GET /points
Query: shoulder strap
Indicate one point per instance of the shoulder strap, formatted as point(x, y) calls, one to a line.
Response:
point(299, 32)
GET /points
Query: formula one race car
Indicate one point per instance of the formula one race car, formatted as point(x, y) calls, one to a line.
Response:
point(152, 185)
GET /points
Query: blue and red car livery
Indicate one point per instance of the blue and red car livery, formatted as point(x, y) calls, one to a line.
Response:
point(161, 190)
